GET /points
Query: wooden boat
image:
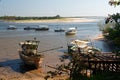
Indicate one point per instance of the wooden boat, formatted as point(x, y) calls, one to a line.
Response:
point(29, 54)
point(81, 46)
point(42, 28)
point(71, 31)
point(29, 28)
point(11, 27)
point(77, 46)
point(59, 30)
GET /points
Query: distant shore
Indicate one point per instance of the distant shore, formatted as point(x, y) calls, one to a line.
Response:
point(55, 20)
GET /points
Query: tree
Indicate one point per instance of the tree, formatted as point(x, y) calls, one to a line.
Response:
point(112, 32)
point(114, 2)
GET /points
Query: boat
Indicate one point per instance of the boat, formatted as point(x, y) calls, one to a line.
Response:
point(77, 46)
point(29, 28)
point(42, 28)
point(59, 30)
point(11, 27)
point(71, 31)
point(29, 54)
point(81, 46)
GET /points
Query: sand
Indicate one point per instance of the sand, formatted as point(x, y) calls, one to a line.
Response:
point(98, 37)
point(55, 20)
point(11, 67)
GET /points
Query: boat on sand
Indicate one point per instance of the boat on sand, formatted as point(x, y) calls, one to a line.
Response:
point(29, 54)
point(82, 47)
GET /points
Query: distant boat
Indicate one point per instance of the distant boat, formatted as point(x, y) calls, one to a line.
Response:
point(71, 31)
point(59, 30)
point(11, 27)
point(29, 53)
point(42, 28)
point(29, 28)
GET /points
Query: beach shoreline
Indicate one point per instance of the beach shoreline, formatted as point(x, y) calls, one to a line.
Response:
point(10, 61)
point(99, 37)
point(54, 20)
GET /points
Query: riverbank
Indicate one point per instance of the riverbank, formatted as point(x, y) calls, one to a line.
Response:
point(99, 37)
point(11, 67)
point(55, 20)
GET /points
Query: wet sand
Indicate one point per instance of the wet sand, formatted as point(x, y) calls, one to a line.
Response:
point(98, 37)
point(55, 20)
point(11, 67)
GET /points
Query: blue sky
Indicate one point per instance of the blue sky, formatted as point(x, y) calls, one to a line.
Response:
point(56, 7)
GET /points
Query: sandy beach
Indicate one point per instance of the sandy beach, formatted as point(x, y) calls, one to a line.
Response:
point(10, 63)
point(55, 20)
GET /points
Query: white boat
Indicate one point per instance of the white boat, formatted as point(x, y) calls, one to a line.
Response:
point(11, 27)
point(29, 54)
point(80, 43)
point(77, 46)
point(81, 46)
point(71, 31)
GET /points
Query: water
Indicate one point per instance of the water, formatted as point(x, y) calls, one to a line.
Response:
point(10, 39)
point(85, 31)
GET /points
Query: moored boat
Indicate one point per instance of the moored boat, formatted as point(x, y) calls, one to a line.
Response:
point(29, 28)
point(59, 30)
point(42, 28)
point(71, 31)
point(82, 47)
point(77, 46)
point(11, 27)
point(29, 54)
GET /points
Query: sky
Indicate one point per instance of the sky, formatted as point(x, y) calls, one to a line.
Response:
point(64, 8)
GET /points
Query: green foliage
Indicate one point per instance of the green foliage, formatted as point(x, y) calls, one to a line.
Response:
point(114, 2)
point(28, 18)
point(113, 33)
point(115, 16)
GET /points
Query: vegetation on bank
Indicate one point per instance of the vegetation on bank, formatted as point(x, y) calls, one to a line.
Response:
point(29, 18)
point(77, 65)
point(111, 30)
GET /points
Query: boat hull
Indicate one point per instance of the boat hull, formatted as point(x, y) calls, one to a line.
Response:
point(42, 29)
point(59, 30)
point(35, 60)
point(70, 33)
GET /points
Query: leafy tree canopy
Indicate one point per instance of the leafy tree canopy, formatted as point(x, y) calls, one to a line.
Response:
point(114, 2)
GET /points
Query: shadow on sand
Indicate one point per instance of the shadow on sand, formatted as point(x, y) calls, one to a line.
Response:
point(17, 65)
